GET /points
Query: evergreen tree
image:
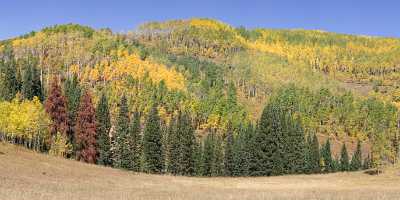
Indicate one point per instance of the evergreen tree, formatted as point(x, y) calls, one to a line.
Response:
point(229, 152)
point(327, 157)
point(122, 153)
point(188, 143)
point(103, 129)
point(10, 85)
point(217, 168)
point(37, 87)
point(152, 145)
point(27, 83)
point(174, 146)
point(265, 144)
point(241, 152)
point(295, 156)
point(72, 92)
point(134, 141)
point(315, 155)
point(85, 133)
point(208, 154)
point(56, 108)
point(198, 159)
point(344, 159)
point(356, 162)
point(308, 155)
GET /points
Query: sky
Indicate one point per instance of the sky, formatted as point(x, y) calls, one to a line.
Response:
point(362, 17)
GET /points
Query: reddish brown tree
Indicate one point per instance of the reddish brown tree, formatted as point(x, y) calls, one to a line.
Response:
point(85, 130)
point(56, 108)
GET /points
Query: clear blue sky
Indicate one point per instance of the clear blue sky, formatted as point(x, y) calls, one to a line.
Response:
point(367, 17)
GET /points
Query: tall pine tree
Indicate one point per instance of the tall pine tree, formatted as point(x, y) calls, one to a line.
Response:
point(327, 157)
point(135, 141)
point(72, 92)
point(85, 130)
point(152, 144)
point(356, 160)
point(229, 152)
point(344, 159)
point(103, 130)
point(10, 84)
point(315, 155)
point(122, 150)
point(27, 82)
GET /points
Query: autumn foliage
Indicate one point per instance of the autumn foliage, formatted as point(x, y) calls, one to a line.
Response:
point(56, 108)
point(85, 130)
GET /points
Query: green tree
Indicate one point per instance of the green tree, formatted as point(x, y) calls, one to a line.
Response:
point(103, 131)
point(152, 144)
point(356, 160)
point(295, 156)
point(27, 83)
point(241, 152)
point(315, 155)
point(344, 159)
point(122, 153)
point(72, 92)
point(135, 140)
point(327, 157)
point(188, 143)
point(229, 152)
point(198, 159)
point(10, 84)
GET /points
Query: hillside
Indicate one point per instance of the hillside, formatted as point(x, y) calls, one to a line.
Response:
point(209, 81)
point(28, 175)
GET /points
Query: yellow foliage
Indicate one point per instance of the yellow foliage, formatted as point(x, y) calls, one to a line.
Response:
point(137, 68)
point(24, 119)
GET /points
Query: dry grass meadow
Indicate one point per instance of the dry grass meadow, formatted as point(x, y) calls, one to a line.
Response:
point(28, 175)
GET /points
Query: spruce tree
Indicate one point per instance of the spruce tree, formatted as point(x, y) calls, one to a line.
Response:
point(10, 85)
point(103, 129)
point(265, 144)
point(174, 145)
point(72, 92)
point(208, 154)
point(217, 168)
point(296, 147)
point(327, 157)
point(27, 83)
point(122, 153)
point(241, 152)
point(37, 87)
point(152, 144)
point(344, 159)
point(134, 141)
point(229, 152)
point(85, 133)
point(56, 107)
point(356, 162)
point(315, 155)
point(198, 159)
point(188, 143)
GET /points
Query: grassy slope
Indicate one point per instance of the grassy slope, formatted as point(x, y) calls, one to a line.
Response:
point(27, 175)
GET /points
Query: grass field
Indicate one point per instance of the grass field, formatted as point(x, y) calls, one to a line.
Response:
point(28, 175)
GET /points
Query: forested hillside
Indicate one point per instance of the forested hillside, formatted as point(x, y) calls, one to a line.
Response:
point(200, 97)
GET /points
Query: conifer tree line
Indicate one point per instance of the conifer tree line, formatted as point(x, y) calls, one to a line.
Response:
point(276, 145)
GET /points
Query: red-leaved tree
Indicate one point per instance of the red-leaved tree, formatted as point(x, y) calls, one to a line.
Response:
point(55, 106)
point(85, 130)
